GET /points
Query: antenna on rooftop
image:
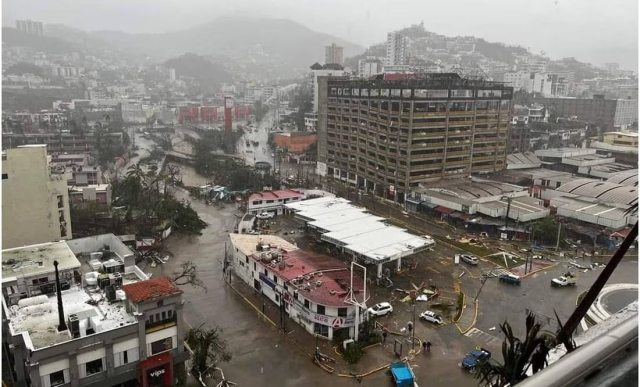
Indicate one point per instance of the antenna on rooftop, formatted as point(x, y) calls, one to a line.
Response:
point(62, 326)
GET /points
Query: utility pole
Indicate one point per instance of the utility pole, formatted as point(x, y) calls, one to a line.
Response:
point(413, 328)
point(484, 281)
point(506, 218)
point(558, 242)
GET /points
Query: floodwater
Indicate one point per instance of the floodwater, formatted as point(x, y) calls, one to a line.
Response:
point(261, 357)
point(616, 301)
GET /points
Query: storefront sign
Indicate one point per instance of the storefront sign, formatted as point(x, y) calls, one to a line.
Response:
point(309, 316)
point(157, 373)
point(267, 281)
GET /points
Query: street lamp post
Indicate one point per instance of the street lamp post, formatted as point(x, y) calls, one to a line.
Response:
point(484, 281)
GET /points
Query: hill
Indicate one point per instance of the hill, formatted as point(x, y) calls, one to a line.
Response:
point(46, 44)
point(282, 47)
point(208, 74)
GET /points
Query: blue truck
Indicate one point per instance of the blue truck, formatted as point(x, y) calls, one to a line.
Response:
point(402, 375)
point(474, 358)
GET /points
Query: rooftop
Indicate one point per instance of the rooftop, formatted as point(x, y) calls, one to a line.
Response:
point(274, 195)
point(523, 160)
point(373, 240)
point(322, 279)
point(465, 188)
point(628, 178)
point(38, 259)
point(151, 290)
point(605, 191)
point(41, 326)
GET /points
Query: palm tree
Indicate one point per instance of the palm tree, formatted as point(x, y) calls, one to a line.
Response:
point(518, 356)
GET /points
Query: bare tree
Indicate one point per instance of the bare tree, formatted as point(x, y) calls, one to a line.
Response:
point(188, 275)
point(208, 350)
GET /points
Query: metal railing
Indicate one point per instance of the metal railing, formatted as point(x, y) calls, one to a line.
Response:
point(583, 366)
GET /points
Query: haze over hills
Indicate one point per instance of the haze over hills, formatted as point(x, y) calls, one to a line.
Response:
point(268, 41)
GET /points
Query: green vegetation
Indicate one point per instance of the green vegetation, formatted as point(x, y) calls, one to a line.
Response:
point(459, 306)
point(518, 356)
point(206, 73)
point(546, 232)
point(303, 100)
point(21, 68)
point(259, 111)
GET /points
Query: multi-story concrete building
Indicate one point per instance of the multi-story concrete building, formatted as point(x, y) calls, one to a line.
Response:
point(30, 27)
point(333, 54)
point(519, 139)
point(626, 113)
point(59, 143)
point(35, 202)
point(109, 325)
point(396, 49)
point(328, 70)
point(369, 66)
point(597, 110)
point(309, 287)
point(389, 136)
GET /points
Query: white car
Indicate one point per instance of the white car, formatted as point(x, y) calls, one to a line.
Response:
point(431, 317)
point(381, 309)
point(470, 259)
point(264, 215)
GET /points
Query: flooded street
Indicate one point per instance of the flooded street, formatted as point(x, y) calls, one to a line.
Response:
point(261, 356)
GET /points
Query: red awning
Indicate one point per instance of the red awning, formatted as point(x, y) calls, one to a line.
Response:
point(617, 234)
point(444, 210)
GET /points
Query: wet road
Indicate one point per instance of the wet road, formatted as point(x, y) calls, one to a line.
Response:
point(260, 355)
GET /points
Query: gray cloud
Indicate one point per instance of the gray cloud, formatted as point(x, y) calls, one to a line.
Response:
point(597, 31)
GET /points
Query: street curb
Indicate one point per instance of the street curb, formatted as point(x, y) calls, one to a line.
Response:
point(475, 319)
point(251, 303)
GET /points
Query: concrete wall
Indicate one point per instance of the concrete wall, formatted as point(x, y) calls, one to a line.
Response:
point(30, 202)
point(95, 243)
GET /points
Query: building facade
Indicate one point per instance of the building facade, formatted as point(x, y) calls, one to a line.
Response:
point(328, 70)
point(310, 288)
point(333, 54)
point(396, 49)
point(30, 27)
point(272, 201)
point(388, 136)
point(295, 142)
point(109, 326)
point(368, 67)
point(626, 113)
point(597, 110)
point(35, 202)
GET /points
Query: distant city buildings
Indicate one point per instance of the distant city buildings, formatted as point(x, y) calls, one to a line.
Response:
point(396, 49)
point(333, 54)
point(327, 70)
point(172, 75)
point(369, 66)
point(609, 113)
point(30, 27)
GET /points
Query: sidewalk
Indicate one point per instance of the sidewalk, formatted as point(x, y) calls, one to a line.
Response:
point(469, 315)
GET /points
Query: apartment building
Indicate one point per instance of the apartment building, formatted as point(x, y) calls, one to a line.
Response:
point(388, 136)
point(311, 288)
point(396, 49)
point(59, 143)
point(333, 54)
point(597, 110)
point(369, 66)
point(30, 27)
point(35, 202)
point(327, 70)
point(107, 325)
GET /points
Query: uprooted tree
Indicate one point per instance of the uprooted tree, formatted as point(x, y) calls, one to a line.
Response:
point(208, 350)
point(188, 275)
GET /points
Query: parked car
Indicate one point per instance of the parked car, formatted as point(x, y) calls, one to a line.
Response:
point(381, 309)
point(509, 279)
point(264, 215)
point(431, 317)
point(475, 357)
point(470, 259)
point(563, 281)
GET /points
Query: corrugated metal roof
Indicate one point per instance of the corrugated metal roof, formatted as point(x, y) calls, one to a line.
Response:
point(628, 178)
point(606, 191)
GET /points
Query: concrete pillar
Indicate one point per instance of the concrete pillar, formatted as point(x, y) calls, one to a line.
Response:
point(142, 337)
point(74, 374)
point(34, 372)
point(180, 326)
point(20, 355)
point(379, 270)
point(108, 345)
point(399, 264)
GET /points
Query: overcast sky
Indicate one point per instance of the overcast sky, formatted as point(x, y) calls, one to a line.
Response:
point(596, 31)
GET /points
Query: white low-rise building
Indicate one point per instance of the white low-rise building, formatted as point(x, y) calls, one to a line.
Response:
point(314, 290)
point(272, 201)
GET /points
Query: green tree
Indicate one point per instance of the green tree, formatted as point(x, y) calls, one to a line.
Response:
point(546, 230)
point(518, 356)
